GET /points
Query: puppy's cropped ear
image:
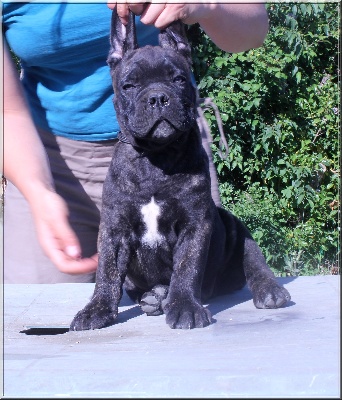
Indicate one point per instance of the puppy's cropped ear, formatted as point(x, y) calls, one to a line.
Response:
point(122, 39)
point(174, 37)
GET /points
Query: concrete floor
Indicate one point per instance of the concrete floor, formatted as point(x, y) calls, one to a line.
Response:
point(289, 352)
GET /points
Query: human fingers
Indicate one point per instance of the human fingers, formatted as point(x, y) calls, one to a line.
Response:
point(161, 15)
point(55, 235)
point(74, 267)
point(123, 9)
point(61, 245)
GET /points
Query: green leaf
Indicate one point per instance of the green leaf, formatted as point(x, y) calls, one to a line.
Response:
point(294, 71)
point(303, 8)
point(255, 123)
point(300, 198)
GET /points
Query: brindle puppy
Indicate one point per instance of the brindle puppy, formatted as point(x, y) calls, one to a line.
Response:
point(161, 235)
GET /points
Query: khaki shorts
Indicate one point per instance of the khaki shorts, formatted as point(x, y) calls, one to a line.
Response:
point(79, 169)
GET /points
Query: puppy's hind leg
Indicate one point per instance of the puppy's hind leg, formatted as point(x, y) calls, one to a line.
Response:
point(247, 263)
point(267, 293)
point(152, 302)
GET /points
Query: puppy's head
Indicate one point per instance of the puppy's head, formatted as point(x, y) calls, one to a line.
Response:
point(154, 95)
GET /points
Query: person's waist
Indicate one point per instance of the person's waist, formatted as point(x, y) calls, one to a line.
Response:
point(50, 137)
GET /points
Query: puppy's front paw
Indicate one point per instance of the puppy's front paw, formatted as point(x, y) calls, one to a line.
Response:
point(270, 295)
point(186, 314)
point(93, 317)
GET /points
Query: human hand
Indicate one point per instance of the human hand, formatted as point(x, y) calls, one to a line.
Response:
point(161, 14)
point(56, 237)
point(233, 27)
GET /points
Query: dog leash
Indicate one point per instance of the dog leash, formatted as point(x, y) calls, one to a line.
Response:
point(205, 104)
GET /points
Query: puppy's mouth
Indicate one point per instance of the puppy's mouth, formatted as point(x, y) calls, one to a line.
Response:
point(163, 131)
point(160, 135)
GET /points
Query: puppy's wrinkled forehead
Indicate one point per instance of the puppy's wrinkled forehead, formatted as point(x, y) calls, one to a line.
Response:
point(152, 62)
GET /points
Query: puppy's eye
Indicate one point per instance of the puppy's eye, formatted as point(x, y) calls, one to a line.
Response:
point(127, 86)
point(179, 79)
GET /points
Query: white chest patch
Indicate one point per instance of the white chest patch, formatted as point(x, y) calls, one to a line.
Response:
point(150, 213)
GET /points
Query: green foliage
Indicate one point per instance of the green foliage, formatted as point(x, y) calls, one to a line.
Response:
point(280, 109)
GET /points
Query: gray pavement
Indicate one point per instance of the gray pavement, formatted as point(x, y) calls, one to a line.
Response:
point(247, 353)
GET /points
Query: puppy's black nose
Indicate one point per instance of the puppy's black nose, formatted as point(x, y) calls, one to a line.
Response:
point(158, 100)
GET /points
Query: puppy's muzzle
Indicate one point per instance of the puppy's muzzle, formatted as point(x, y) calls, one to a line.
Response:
point(158, 100)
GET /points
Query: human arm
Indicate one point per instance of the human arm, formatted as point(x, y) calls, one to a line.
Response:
point(27, 167)
point(233, 27)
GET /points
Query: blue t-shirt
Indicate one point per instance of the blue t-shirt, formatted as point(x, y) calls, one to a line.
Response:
point(63, 49)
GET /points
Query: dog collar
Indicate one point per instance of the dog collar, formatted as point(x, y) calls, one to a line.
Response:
point(122, 138)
